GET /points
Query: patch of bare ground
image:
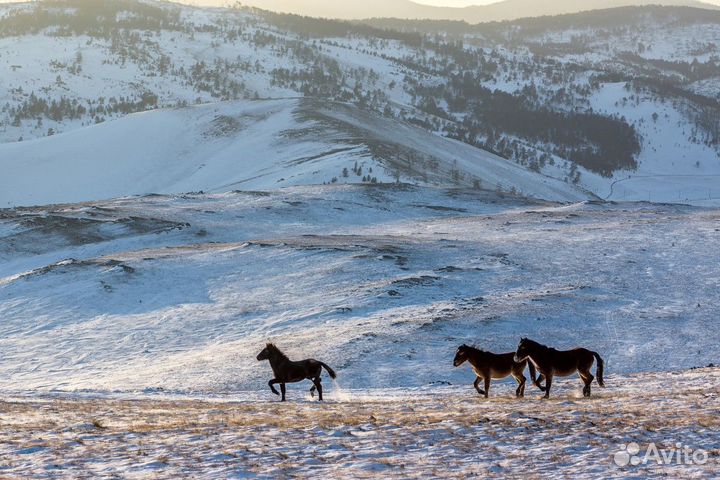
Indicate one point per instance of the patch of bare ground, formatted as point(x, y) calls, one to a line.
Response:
point(441, 432)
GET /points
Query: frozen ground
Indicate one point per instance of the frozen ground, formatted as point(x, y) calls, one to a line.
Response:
point(441, 432)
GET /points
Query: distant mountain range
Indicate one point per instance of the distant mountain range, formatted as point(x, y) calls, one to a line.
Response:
point(505, 10)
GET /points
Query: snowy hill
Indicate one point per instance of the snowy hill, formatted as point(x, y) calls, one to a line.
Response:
point(622, 102)
point(251, 145)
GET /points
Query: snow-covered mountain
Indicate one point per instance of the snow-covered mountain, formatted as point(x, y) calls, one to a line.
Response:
point(622, 103)
point(251, 145)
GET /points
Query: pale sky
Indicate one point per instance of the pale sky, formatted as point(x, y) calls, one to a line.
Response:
point(441, 3)
point(455, 3)
point(465, 3)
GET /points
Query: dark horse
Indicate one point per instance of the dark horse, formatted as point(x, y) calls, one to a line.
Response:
point(492, 365)
point(551, 362)
point(287, 371)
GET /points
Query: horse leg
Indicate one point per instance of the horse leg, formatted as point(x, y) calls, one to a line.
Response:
point(548, 384)
point(318, 383)
point(282, 389)
point(312, 390)
point(271, 384)
point(487, 386)
point(587, 378)
point(520, 392)
point(477, 386)
point(540, 378)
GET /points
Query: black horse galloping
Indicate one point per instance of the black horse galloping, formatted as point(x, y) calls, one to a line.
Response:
point(287, 371)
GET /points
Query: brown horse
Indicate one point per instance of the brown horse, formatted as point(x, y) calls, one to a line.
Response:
point(491, 365)
point(287, 371)
point(550, 362)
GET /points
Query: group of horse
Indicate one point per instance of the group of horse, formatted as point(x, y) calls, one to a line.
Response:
point(546, 361)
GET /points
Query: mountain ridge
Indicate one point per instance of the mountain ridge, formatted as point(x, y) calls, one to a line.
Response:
point(500, 11)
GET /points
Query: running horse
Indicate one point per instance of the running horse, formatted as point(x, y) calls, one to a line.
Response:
point(550, 362)
point(287, 371)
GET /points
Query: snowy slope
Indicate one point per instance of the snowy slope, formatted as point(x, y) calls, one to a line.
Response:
point(208, 55)
point(250, 145)
point(669, 169)
point(381, 282)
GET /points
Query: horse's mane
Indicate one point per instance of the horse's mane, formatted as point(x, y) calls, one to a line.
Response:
point(474, 349)
point(537, 344)
point(277, 351)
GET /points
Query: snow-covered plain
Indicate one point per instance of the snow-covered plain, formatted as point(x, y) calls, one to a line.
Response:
point(179, 293)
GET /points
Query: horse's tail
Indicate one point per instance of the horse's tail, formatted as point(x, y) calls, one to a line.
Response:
point(330, 371)
point(600, 367)
point(533, 376)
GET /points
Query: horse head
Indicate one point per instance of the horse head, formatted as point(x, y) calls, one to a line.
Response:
point(523, 351)
point(266, 352)
point(461, 355)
